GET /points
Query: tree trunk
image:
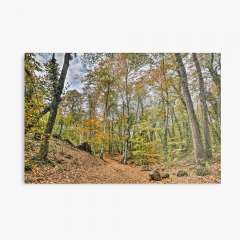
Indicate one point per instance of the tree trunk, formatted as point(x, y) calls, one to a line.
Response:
point(216, 78)
point(165, 145)
point(123, 125)
point(215, 128)
point(54, 107)
point(207, 140)
point(126, 142)
point(166, 115)
point(178, 127)
point(196, 137)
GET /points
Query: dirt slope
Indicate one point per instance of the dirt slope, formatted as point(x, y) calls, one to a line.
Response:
point(75, 166)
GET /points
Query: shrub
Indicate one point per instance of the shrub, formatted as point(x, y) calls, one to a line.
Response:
point(202, 171)
point(28, 166)
point(182, 173)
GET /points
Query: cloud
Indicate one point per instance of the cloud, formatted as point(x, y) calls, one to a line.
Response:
point(76, 72)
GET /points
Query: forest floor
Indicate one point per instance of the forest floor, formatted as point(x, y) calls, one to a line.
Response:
point(74, 166)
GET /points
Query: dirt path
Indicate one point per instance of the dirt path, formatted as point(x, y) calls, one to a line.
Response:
point(115, 172)
point(75, 166)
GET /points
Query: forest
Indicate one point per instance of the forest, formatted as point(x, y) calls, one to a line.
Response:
point(122, 117)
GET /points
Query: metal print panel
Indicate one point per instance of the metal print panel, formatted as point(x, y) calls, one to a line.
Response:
point(122, 118)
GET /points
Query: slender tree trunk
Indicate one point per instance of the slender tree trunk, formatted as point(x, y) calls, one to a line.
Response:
point(207, 140)
point(122, 125)
point(106, 122)
point(196, 137)
point(137, 110)
point(54, 107)
point(165, 146)
point(215, 128)
point(216, 78)
point(166, 115)
point(178, 127)
point(126, 143)
point(187, 134)
point(112, 146)
point(142, 108)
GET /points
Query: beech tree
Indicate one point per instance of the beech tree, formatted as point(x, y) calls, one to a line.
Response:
point(199, 152)
point(202, 95)
point(58, 84)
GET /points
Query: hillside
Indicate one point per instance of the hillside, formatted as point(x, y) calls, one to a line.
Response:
point(71, 165)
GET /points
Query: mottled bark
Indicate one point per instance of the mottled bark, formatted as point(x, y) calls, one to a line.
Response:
point(207, 140)
point(196, 137)
point(105, 119)
point(54, 107)
point(127, 132)
point(166, 115)
point(216, 78)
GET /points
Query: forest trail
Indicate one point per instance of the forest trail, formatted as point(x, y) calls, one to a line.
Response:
point(130, 173)
point(76, 166)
